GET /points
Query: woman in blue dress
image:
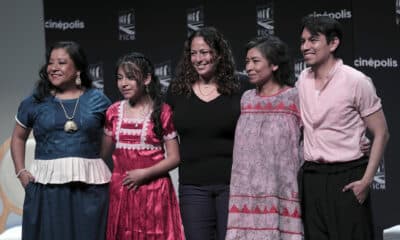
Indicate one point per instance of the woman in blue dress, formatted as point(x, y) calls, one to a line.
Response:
point(66, 187)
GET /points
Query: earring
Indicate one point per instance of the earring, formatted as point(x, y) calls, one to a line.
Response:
point(147, 89)
point(78, 80)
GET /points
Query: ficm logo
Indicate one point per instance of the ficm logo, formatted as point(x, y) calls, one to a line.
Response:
point(163, 72)
point(126, 25)
point(342, 14)
point(299, 66)
point(96, 72)
point(64, 25)
point(376, 63)
point(265, 19)
point(379, 182)
point(195, 19)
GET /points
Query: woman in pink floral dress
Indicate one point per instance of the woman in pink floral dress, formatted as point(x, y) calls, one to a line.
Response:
point(264, 201)
point(143, 204)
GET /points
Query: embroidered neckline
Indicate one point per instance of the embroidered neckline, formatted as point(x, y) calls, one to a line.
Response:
point(139, 132)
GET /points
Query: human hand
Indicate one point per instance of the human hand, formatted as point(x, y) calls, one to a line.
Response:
point(365, 146)
point(135, 178)
point(25, 177)
point(360, 190)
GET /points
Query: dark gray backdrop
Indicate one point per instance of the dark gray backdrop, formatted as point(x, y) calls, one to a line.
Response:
point(159, 28)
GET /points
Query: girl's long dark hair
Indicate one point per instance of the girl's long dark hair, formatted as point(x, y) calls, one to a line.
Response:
point(145, 67)
point(78, 57)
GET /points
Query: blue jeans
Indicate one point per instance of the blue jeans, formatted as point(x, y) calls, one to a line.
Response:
point(204, 211)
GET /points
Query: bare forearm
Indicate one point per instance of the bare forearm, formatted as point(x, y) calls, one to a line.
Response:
point(171, 161)
point(377, 151)
point(18, 153)
point(18, 142)
point(162, 167)
point(107, 147)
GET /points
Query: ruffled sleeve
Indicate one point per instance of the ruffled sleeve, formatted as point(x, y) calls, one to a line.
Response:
point(167, 123)
point(111, 120)
point(100, 101)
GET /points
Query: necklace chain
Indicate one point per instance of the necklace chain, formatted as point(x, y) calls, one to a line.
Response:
point(143, 111)
point(207, 94)
point(65, 111)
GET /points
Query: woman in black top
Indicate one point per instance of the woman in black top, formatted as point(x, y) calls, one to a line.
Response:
point(205, 97)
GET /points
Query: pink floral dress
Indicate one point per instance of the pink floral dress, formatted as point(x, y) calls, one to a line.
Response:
point(263, 202)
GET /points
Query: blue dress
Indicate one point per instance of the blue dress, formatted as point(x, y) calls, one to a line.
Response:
point(69, 197)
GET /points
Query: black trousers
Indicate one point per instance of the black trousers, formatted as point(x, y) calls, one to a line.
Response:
point(328, 212)
point(204, 211)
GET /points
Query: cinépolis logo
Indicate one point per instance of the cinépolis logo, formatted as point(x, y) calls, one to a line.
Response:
point(341, 14)
point(265, 19)
point(64, 25)
point(376, 63)
point(126, 25)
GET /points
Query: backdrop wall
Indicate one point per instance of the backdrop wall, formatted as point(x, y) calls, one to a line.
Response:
point(22, 51)
point(159, 28)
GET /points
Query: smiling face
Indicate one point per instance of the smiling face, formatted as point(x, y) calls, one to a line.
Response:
point(258, 68)
point(202, 58)
point(315, 48)
point(61, 69)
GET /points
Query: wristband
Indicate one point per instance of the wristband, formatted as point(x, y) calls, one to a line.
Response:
point(20, 172)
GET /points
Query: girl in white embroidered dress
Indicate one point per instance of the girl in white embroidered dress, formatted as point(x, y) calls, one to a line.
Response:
point(142, 198)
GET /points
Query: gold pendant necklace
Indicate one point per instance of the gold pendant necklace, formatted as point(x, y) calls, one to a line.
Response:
point(70, 125)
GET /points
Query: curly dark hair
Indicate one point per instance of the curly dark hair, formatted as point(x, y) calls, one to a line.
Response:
point(44, 87)
point(186, 74)
point(137, 64)
point(277, 53)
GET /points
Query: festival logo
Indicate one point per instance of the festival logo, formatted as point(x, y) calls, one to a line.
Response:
point(96, 72)
point(379, 182)
point(163, 72)
point(126, 25)
point(195, 19)
point(265, 19)
point(299, 66)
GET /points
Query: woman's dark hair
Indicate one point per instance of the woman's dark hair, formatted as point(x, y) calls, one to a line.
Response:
point(78, 57)
point(324, 25)
point(277, 53)
point(140, 66)
point(186, 74)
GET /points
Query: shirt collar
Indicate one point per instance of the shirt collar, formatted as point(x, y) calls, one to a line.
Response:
point(331, 73)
